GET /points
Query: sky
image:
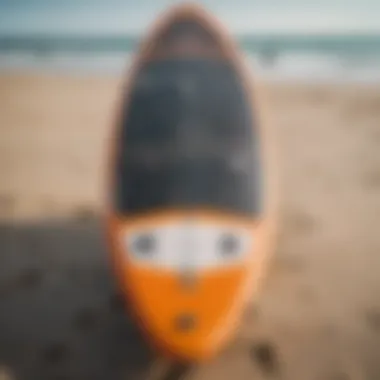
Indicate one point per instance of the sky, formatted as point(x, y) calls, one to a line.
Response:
point(241, 16)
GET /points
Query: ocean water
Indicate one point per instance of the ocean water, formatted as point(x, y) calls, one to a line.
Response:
point(352, 58)
point(328, 40)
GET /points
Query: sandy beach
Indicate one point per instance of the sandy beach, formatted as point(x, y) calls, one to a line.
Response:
point(60, 316)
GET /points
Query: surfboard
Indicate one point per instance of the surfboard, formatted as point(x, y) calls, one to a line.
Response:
point(190, 213)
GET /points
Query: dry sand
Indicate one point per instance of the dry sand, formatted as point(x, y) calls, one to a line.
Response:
point(319, 315)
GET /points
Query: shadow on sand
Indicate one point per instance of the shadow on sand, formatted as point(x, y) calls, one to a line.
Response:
point(60, 315)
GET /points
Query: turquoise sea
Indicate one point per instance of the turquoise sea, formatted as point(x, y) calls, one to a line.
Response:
point(328, 57)
point(287, 39)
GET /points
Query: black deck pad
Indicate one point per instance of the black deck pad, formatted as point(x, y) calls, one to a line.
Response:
point(188, 141)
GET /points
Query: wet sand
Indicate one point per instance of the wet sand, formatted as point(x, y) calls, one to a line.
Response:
point(60, 316)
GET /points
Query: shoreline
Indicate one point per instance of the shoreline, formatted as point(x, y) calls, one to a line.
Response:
point(264, 78)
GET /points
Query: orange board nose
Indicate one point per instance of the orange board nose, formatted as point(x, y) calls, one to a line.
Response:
point(189, 321)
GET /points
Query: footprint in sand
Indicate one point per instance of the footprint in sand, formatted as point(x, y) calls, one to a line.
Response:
point(302, 223)
point(84, 213)
point(28, 280)
point(56, 353)
point(85, 319)
point(265, 355)
point(373, 320)
point(371, 180)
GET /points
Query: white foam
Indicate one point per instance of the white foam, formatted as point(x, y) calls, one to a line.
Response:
point(301, 66)
point(66, 62)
